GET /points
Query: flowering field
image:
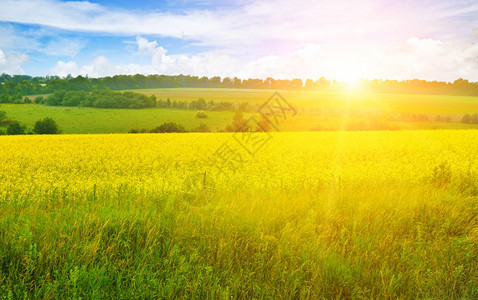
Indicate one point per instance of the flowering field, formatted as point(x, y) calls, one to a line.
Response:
point(314, 214)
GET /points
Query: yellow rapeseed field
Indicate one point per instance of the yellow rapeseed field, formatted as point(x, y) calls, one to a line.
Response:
point(160, 163)
point(313, 214)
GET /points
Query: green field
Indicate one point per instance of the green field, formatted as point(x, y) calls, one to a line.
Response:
point(99, 120)
point(316, 111)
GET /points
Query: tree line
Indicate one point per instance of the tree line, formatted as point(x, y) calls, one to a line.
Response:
point(101, 99)
point(112, 99)
point(12, 88)
point(470, 119)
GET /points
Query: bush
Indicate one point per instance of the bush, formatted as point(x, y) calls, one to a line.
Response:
point(238, 123)
point(201, 115)
point(38, 100)
point(15, 129)
point(2, 132)
point(46, 126)
point(202, 128)
point(138, 131)
point(470, 119)
point(169, 127)
point(198, 104)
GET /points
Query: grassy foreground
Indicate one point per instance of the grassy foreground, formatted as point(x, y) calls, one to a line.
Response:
point(311, 215)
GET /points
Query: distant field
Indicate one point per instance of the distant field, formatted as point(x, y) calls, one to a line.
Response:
point(316, 111)
point(401, 103)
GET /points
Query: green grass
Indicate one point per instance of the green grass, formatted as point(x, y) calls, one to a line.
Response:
point(99, 120)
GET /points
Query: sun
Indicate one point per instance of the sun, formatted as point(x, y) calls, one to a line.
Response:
point(351, 79)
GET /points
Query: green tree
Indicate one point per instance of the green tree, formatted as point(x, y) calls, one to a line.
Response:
point(238, 123)
point(169, 127)
point(38, 100)
point(46, 126)
point(15, 129)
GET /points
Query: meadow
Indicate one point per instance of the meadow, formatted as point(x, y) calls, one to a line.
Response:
point(376, 214)
point(317, 110)
point(86, 120)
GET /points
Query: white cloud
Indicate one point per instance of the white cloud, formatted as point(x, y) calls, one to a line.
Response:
point(64, 68)
point(208, 63)
point(278, 38)
point(10, 39)
point(253, 23)
point(417, 58)
point(29, 41)
point(432, 60)
point(63, 47)
point(12, 63)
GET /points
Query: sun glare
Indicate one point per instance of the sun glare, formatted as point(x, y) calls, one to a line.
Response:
point(351, 78)
point(353, 84)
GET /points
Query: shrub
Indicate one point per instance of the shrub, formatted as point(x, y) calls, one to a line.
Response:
point(15, 129)
point(169, 127)
point(38, 100)
point(138, 131)
point(201, 115)
point(238, 123)
point(202, 128)
point(198, 104)
point(46, 126)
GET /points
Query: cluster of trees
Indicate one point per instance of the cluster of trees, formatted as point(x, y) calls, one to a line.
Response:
point(42, 126)
point(201, 104)
point(111, 99)
point(470, 119)
point(103, 99)
point(238, 124)
point(20, 85)
point(460, 86)
point(170, 127)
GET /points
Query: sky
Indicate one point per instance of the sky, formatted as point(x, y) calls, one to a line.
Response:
point(336, 39)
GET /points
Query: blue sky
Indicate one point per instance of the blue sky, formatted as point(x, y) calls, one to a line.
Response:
point(337, 39)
